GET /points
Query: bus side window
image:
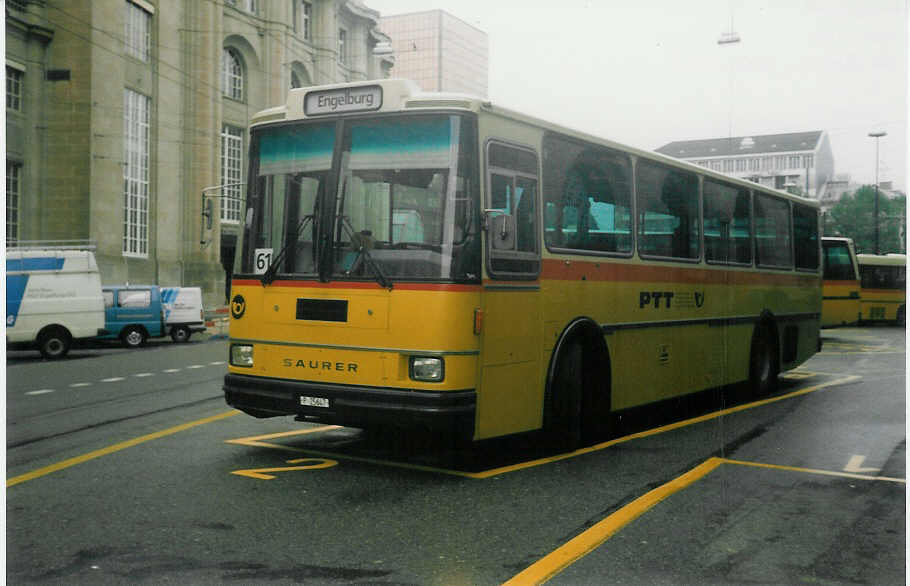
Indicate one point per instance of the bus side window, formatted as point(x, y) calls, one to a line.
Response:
point(588, 197)
point(805, 236)
point(728, 237)
point(513, 190)
point(668, 212)
point(772, 232)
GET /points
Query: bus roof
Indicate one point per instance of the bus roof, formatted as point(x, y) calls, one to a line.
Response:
point(891, 259)
point(398, 95)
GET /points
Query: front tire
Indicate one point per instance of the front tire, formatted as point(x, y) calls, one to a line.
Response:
point(566, 393)
point(133, 337)
point(54, 343)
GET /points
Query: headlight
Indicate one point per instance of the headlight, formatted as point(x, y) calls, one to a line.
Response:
point(427, 369)
point(241, 355)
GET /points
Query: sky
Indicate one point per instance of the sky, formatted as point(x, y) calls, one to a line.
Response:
point(648, 73)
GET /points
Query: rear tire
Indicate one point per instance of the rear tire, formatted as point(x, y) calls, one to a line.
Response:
point(133, 337)
point(763, 362)
point(54, 343)
point(181, 334)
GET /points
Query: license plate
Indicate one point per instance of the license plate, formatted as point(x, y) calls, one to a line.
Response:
point(314, 401)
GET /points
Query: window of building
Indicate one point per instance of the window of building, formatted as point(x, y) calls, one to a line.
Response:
point(728, 226)
point(772, 232)
point(343, 46)
point(740, 164)
point(306, 17)
point(13, 192)
point(14, 79)
point(668, 223)
point(135, 173)
point(137, 25)
point(755, 164)
point(809, 161)
point(231, 167)
point(232, 75)
point(588, 197)
point(250, 6)
point(793, 161)
point(728, 165)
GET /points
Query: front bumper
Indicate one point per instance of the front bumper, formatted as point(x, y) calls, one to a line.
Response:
point(364, 407)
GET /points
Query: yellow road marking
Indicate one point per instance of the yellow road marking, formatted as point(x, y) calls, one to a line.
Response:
point(256, 440)
point(114, 448)
point(265, 473)
point(817, 471)
point(585, 542)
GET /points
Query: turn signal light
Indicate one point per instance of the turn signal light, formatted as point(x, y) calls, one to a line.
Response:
point(478, 321)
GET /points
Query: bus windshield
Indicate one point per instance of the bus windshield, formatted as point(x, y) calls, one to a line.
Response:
point(393, 202)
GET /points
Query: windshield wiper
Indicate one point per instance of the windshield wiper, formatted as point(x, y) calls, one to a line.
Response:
point(269, 275)
point(363, 251)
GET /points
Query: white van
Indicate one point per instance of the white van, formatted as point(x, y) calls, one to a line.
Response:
point(183, 313)
point(53, 296)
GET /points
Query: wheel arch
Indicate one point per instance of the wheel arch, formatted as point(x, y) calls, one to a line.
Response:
point(52, 328)
point(594, 346)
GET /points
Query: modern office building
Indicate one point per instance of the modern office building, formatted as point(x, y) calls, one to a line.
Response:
point(439, 51)
point(800, 161)
point(121, 113)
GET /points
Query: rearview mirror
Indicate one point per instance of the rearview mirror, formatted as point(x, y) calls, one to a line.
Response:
point(502, 232)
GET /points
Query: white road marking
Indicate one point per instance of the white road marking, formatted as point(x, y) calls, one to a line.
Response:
point(113, 379)
point(196, 366)
point(77, 385)
point(144, 374)
point(169, 370)
point(855, 465)
point(40, 392)
point(216, 363)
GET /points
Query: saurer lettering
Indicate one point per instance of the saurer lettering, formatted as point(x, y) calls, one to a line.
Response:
point(323, 365)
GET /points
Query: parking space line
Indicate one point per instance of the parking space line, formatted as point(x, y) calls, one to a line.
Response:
point(585, 542)
point(114, 448)
point(817, 471)
point(670, 427)
point(257, 441)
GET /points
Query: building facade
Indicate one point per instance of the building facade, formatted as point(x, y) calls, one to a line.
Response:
point(439, 51)
point(122, 113)
point(801, 162)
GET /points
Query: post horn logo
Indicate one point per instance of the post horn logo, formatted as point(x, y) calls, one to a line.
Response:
point(238, 306)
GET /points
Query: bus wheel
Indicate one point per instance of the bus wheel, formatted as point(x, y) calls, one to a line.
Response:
point(54, 343)
point(133, 337)
point(566, 398)
point(763, 362)
point(181, 334)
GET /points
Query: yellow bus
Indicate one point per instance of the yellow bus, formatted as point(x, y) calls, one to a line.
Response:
point(432, 260)
point(840, 285)
point(883, 296)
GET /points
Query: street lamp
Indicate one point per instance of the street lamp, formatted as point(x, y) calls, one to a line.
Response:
point(876, 135)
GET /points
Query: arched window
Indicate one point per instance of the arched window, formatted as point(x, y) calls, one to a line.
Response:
point(295, 80)
point(232, 75)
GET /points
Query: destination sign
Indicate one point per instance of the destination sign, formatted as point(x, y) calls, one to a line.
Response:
point(338, 101)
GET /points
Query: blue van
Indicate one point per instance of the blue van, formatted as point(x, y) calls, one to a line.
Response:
point(133, 313)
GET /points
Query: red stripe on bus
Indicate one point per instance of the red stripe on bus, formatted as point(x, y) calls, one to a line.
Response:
point(361, 285)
